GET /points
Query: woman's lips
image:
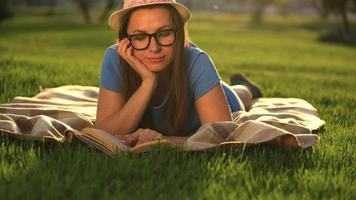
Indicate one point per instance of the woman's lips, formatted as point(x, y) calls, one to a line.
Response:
point(156, 59)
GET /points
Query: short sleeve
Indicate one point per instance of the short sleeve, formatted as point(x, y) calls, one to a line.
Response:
point(203, 75)
point(110, 77)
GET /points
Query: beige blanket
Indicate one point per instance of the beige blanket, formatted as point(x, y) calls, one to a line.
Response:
point(56, 112)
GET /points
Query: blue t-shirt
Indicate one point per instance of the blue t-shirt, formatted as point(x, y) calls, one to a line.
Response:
point(202, 77)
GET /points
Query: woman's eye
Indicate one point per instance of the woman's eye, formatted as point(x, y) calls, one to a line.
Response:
point(164, 33)
point(139, 37)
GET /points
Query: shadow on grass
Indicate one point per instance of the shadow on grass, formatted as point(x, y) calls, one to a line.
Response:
point(337, 37)
point(330, 32)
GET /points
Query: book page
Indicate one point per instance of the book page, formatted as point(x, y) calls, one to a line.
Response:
point(106, 139)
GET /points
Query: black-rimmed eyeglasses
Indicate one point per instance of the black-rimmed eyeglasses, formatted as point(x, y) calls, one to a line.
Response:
point(142, 41)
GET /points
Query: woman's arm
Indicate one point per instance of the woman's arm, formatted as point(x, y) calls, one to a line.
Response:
point(114, 114)
point(213, 106)
point(147, 135)
point(118, 117)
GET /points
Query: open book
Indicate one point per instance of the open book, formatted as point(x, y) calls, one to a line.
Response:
point(112, 145)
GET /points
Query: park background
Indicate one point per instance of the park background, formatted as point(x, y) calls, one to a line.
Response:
point(304, 49)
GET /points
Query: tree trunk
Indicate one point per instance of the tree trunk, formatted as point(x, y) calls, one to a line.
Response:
point(4, 10)
point(257, 15)
point(259, 10)
point(84, 7)
point(51, 7)
point(320, 8)
point(109, 5)
point(345, 20)
point(189, 4)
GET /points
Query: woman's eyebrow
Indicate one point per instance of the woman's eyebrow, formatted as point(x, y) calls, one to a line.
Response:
point(142, 31)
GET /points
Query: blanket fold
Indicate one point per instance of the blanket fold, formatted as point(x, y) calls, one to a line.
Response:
point(53, 112)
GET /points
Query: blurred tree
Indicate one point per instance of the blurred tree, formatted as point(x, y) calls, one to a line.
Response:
point(109, 5)
point(51, 7)
point(189, 4)
point(84, 6)
point(282, 6)
point(320, 8)
point(259, 8)
point(339, 7)
point(4, 10)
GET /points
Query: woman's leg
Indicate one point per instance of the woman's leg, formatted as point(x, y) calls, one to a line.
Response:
point(241, 93)
point(245, 89)
point(239, 79)
point(244, 94)
point(235, 102)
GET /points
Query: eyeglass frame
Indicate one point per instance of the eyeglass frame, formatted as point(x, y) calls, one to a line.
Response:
point(154, 35)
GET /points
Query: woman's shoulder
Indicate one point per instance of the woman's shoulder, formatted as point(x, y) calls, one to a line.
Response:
point(193, 51)
point(196, 56)
point(112, 48)
point(111, 55)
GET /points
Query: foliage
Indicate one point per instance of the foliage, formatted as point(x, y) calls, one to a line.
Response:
point(4, 10)
point(339, 7)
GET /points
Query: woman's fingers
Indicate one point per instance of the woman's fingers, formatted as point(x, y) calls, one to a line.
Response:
point(141, 136)
point(134, 62)
point(122, 50)
point(121, 137)
point(131, 139)
point(147, 135)
point(126, 51)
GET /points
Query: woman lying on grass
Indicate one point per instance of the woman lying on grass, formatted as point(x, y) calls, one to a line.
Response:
point(155, 83)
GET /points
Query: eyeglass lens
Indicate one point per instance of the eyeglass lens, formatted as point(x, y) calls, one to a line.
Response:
point(142, 41)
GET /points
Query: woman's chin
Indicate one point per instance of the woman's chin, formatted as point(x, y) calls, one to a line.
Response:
point(156, 67)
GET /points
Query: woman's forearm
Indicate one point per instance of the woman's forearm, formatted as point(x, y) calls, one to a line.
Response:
point(127, 119)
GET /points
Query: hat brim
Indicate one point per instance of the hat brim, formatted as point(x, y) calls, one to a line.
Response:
point(115, 17)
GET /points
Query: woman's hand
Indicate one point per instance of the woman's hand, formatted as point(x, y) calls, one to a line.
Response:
point(125, 50)
point(141, 136)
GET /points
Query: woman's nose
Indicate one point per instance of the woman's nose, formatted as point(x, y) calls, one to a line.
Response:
point(154, 46)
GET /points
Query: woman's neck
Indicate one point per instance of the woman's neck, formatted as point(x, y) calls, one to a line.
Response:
point(162, 88)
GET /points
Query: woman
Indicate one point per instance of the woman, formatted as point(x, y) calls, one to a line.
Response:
point(155, 83)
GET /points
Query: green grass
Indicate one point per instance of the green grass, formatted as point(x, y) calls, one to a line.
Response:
point(284, 56)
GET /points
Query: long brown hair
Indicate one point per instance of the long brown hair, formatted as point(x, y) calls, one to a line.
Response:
point(178, 100)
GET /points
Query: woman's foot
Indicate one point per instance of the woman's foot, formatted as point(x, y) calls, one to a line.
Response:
point(239, 79)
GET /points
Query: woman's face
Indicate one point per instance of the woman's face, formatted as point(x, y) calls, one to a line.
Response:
point(152, 20)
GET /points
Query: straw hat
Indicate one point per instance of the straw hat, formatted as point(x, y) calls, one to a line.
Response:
point(115, 18)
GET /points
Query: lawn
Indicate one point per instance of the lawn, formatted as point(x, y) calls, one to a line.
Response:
point(284, 56)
